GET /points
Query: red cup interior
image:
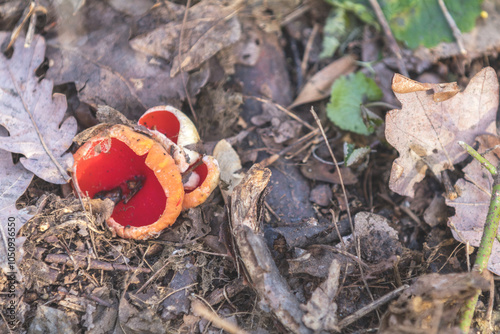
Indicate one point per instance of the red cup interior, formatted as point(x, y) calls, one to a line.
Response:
point(112, 169)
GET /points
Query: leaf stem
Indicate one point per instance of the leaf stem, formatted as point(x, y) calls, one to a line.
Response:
point(488, 238)
point(482, 160)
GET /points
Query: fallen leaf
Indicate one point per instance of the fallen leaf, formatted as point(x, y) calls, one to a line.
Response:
point(268, 76)
point(14, 180)
point(426, 132)
point(315, 170)
point(32, 115)
point(471, 207)
point(380, 240)
point(320, 85)
point(97, 57)
point(209, 27)
point(51, 320)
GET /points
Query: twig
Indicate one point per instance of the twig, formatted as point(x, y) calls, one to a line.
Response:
point(491, 302)
point(270, 160)
point(98, 300)
point(153, 277)
point(299, 11)
point(307, 51)
point(229, 290)
point(372, 306)
point(454, 27)
point(260, 268)
point(318, 122)
point(92, 264)
point(390, 37)
point(214, 318)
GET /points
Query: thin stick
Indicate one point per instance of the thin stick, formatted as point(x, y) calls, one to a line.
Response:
point(270, 160)
point(454, 27)
point(318, 122)
point(214, 318)
point(91, 264)
point(299, 11)
point(369, 308)
point(491, 302)
point(358, 251)
point(153, 277)
point(307, 51)
point(390, 37)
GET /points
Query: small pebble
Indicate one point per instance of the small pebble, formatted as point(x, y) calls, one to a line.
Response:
point(321, 194)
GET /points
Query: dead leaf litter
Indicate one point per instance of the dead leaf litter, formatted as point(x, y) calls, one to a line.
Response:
point(278, 247)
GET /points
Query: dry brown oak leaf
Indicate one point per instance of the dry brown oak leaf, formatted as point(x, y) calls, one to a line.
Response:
point(471, 207)
point(434, 117)
point(32, 115)
point(209, 27)
point(92, 50)
point(14, 180)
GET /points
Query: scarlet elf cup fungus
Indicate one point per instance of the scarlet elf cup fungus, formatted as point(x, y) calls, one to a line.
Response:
point(202, 175)
point(136, 172)
point(150, 178)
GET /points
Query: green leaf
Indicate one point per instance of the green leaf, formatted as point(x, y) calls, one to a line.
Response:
point(333, 32)
point(348, 94)
point(422, 22)
point(355, 156)
point(344, 18)
point(417, 22)
point(361, 9)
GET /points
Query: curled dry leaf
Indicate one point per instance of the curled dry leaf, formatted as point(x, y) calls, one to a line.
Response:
point(471, 207)
point(431, 304)
point(230, 164)
point(320, 85)
point(32, 115)
point(426, 130)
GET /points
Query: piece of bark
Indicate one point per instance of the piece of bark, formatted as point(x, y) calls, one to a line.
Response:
point(261, 271)
point(321, 309)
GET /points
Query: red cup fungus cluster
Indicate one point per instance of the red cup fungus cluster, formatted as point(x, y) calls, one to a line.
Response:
point(151, 176)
